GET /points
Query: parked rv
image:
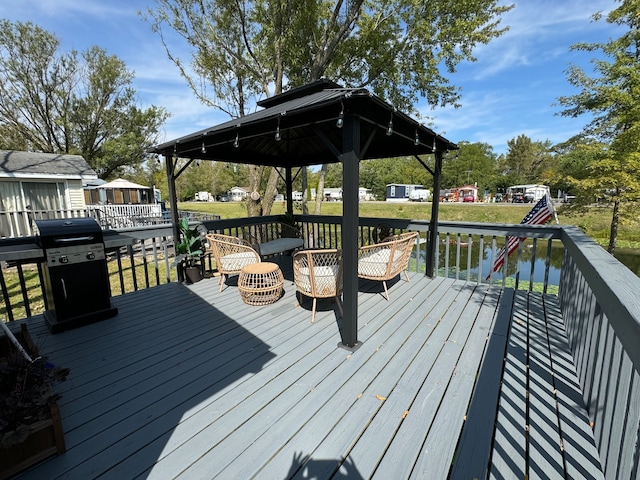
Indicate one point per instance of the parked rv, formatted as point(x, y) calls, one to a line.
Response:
point(420, 195)
point(527, 193)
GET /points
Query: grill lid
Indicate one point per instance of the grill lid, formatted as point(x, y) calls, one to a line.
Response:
point(67, 232)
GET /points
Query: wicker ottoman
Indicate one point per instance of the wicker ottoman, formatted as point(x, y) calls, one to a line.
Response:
point(260, 283)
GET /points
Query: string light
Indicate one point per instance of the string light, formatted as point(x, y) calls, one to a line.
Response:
point(416, 140)
point(390, 126)
point(278, 137)
point(340, 121)
point(433, 148)
point(236, 142)
point(204, 148)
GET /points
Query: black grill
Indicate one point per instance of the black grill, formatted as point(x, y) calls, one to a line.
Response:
point(76, 278)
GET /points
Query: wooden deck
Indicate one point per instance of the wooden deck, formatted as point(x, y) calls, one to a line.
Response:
point(187, 382)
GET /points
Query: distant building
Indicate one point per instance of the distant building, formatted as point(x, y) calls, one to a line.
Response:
point(365, 194)
point(333, 194)
point(467, 193)
point(238, 194)
point(527, 193)
point(399, 192)
point(42, 184)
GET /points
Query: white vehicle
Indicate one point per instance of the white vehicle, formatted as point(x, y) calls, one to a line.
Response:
point(527, 193)
point(420, 195)
point(203, 197)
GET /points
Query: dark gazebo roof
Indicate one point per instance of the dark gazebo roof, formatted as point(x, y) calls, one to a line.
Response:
point(306, 119)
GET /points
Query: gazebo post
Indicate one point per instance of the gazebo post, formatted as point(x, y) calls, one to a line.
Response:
point(433, 223)
point(173, 201)
point(289, 189)
point(350, 206)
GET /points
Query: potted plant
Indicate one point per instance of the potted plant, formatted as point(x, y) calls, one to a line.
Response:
point(289, 226)
point(189, 251)
point(30, 423)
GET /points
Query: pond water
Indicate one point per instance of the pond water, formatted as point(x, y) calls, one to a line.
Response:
point(628, 257)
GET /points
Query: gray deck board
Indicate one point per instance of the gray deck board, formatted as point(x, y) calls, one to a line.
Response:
point(510, 446)
point(581, 458)
point(189, 382)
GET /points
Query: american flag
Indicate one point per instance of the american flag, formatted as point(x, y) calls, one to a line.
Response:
point(539, 215)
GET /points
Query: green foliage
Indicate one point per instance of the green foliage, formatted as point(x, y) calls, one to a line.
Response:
point(69, 103)
point(611, 99)
point(526, 160)
point(189, 248)
point(473, 163)
point(402, 49)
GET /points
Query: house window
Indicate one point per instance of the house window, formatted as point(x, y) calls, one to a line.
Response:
point(392, 193)
point(44, 196)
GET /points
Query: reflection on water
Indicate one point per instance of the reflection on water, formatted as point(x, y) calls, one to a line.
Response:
point(629, 257)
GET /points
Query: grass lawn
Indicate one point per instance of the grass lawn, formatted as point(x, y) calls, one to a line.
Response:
point(595, 222)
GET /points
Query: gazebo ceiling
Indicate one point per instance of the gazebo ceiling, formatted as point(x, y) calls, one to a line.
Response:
point(306, 119)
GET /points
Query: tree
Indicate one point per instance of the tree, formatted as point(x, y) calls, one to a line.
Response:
point(611, 97)
point(474, 163)
point(401, 49)
point(65, 103)
point(526, 160)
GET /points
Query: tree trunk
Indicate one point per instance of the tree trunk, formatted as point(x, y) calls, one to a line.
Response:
point(320, 189)
point(254, 208)
point(270, 191)
point(613, 236)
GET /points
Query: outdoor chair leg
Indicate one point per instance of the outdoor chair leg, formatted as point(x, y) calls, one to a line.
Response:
point(406, 275)
point(386, 292)
point(313, 310)
point(221, 281)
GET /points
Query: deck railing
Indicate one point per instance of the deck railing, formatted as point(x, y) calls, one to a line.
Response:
point(598, 295)
point(20, 223)
point(600, 304)
point(142, 256)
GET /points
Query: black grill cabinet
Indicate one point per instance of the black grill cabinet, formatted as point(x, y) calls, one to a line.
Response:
point(76, 280)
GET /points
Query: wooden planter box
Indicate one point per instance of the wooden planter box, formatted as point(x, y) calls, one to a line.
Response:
point(46, 438)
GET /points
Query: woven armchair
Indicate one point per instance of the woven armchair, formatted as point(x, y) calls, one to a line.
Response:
point(231, 254)
point(318, 274)
point(383, 261)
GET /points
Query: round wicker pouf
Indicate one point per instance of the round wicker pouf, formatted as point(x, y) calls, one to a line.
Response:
point(260, 283)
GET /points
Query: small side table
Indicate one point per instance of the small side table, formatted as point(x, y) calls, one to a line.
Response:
point(260, 283)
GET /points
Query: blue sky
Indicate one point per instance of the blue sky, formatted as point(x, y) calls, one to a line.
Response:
point(509, 91)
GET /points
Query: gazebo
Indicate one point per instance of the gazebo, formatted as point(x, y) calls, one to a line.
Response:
point(316, 124)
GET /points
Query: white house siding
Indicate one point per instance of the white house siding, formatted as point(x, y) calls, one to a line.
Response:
point(75, 194)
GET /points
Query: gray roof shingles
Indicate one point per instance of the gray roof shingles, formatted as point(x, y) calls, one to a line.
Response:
point(20, 164)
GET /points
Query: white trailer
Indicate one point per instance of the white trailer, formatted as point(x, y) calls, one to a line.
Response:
point(529, 193)
point(420, 195)
point(203, 197)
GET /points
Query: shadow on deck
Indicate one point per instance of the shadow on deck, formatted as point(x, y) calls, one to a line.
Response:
point(187, 382)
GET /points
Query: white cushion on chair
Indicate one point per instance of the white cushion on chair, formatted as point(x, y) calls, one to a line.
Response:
point(326, 278)
point(235, 261)
point(374, 264)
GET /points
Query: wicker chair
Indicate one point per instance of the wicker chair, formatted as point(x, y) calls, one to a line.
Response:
point(231, 254)
point(383, 261)
point(318, 274)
